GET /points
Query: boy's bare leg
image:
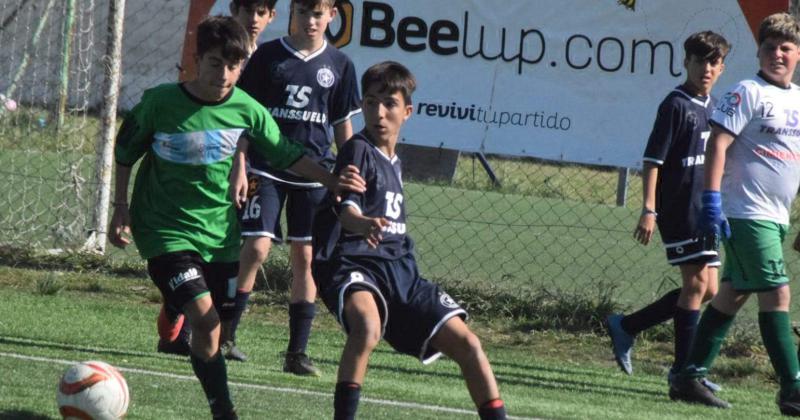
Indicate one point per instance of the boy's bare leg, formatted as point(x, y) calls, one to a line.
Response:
point(456, 341)
point(364, 332)
point(302, 311)
point(207, 361)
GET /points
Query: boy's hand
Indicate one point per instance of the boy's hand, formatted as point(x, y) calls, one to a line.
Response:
point(238, 180)
point(373, 228)
point(349, 180)
point(645, 227)
point(120, 230)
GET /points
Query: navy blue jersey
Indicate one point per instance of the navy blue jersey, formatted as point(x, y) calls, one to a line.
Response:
point(383, 198)
point(306, 95)
point(677, 144)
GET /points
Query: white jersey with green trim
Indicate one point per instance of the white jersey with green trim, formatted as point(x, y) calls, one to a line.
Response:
point(762, 165)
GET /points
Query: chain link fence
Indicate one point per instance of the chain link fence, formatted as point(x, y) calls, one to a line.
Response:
point(545, 225)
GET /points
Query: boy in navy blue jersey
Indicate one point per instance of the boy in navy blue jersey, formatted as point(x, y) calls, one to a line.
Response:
point(364, 264)
point(672, 184)
point(310, 89)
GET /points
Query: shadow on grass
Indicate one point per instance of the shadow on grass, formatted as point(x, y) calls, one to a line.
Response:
point(22, 415)
point(537, 376)
point(75, 347)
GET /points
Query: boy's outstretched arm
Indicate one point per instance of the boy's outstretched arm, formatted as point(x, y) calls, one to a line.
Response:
point(120, 230)
point(238, 176)
point(368, 227)
point(348, 179)
point(342, 132)
point(647, 221)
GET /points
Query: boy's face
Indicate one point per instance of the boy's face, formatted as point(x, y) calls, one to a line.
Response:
point(310, 24)
point(777, 59)
point(702, 73)
point(253, 18)
point(384, 114)
point(216, 76)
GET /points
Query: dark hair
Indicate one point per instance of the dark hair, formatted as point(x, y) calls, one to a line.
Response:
point(706, 45)
point(310, 4)
point(269, 4)
point(782, 26)
point(225, 33)
point(390, 76)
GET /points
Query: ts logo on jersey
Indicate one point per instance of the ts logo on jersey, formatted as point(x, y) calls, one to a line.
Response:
point(298, 96)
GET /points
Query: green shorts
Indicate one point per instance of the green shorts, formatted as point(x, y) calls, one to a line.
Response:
point(754, 255)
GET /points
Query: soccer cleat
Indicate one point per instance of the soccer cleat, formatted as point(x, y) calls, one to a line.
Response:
point(231, 352)
point(180, 346)
point(790, 404)
point(706, 383)
point(299, 364)
point(621, 342)
point(229, 416)
point(692, 390)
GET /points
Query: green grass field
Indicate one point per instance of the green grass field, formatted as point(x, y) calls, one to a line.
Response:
point(541, 375)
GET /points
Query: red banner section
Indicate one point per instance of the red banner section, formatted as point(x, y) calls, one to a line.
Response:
point(756, 10)
point(197, 11)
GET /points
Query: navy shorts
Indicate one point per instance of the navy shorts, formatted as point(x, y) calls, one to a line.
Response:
point(412, 309)
point(261, 215)
point(691, 251)
point(183, 277)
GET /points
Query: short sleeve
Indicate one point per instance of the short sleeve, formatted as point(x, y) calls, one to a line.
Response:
point(354, 153)
point(736, 108)
point(346, 100)
point(666, 127)
point(136, 133)
point(267, 139)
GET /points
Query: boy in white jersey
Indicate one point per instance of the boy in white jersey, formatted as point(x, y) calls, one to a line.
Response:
point(755, 143)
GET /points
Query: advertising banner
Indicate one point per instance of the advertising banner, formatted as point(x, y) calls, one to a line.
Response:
point(571, 80)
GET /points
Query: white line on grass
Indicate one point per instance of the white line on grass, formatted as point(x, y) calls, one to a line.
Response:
point(284, 390)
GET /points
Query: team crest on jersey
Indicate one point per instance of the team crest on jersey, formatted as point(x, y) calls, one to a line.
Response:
point(325, 77)
point(447, 301)
point(278, 73)
point(691, 119)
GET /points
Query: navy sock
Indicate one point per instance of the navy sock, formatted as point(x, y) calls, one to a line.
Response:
point(652, 314)
point(240, 304)
point(301, 315)
point(345, 400)
point(213, 376)
point(492, 410)
point(685, 325)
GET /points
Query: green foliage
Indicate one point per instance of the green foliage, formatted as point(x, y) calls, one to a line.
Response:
point(50, 284)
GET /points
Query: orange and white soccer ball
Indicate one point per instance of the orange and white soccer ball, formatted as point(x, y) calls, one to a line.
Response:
point(92, 391)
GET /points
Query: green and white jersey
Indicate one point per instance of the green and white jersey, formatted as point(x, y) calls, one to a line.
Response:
point(762, 165)
point(180, 197)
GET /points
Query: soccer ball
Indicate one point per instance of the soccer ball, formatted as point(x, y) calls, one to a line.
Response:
point(92, 390)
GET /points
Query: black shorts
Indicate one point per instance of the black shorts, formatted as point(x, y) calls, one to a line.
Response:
point(183, 277)
point(691, 251)
point(261, 215)
point(412, 309)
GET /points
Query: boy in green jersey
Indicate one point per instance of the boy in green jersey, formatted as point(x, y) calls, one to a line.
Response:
point(180, 215)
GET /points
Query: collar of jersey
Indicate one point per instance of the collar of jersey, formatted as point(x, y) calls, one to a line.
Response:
point(763, 77)
point(300, 55)
point(202, 101)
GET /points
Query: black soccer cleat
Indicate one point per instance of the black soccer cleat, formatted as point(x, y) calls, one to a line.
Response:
point(231, 352)
point(299, 364)
point(789, 405)
point(231, 415)
point(181, 346)
point(692, 390)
